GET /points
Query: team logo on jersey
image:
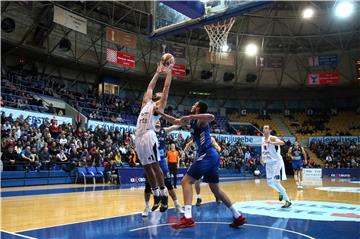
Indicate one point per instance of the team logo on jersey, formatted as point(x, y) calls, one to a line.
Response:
point(309, 210)
point(340, 189)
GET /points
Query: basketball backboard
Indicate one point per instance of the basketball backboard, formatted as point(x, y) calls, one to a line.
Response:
point(173, 17)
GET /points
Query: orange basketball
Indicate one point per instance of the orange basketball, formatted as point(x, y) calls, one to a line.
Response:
point(167, 59)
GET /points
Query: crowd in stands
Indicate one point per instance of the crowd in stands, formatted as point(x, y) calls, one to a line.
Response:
point(48, 145)
point(337, 154)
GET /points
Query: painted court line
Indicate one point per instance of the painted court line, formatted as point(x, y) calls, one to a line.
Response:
point(249, 225)
point(19, 235)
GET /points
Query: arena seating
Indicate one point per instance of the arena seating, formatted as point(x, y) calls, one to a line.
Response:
point(256, 120)
point(303, 126)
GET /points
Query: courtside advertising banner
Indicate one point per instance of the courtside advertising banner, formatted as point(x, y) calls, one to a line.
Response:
point(70, 20)
point(35, 117)
point(312, 173)
point(328, 139)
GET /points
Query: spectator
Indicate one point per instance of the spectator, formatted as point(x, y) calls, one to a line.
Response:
point(9, 158)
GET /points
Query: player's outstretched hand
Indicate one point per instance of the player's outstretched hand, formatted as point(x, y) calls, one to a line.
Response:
point(160, 68)
point(185, 120)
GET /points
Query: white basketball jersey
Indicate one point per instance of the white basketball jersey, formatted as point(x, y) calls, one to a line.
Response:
point(270, 152)
point(146, 120)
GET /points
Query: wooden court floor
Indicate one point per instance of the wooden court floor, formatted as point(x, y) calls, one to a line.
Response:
point(21, 213)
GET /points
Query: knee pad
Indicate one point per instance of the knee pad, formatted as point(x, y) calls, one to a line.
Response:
point(168, 184)
point(147, 188)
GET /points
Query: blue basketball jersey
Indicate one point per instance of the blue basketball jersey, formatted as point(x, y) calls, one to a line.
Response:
point(297, 153)
point(161, 135)
point(201, 136)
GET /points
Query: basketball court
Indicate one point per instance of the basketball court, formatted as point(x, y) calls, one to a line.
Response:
point(102, 211)
point(325, 208)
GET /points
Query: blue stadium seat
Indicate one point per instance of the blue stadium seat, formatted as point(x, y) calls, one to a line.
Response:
point(82, 172)
point(97, 174)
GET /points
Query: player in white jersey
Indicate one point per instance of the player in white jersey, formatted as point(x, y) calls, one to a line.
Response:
point(275, 169)
point(146, 141)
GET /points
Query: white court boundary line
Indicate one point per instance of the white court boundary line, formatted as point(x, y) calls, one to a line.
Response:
point(19, 235)
point(249, 225)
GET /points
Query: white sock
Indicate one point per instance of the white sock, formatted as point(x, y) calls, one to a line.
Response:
point(188, 211)
point(147, 203)
point(282, 190)
point(163, 191)
point(156, 192)
point(176, 203)
point(198, 196)
point(235, 212)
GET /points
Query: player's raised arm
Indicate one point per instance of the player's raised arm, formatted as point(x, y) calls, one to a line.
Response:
point(215, 144)
point(203, 118)
point(275, 140)
point(171, 128)
point(150, 89)
point(165, 92)
point(169, 118)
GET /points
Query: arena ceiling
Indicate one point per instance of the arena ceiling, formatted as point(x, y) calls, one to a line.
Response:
point(277, 28)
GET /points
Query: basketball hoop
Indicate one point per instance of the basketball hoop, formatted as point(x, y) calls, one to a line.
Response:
point(218, 34)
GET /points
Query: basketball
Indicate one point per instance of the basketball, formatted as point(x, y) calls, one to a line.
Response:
point(256, 172)
point(167, 59)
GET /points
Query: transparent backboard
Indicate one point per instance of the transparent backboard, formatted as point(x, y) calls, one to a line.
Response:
point(172, 17)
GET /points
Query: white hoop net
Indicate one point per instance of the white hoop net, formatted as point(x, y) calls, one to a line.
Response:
point(218, 34)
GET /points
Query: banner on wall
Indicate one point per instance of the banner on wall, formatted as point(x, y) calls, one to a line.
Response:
point(328, 60)
point(223, 58)
point(70, 20)
point(120, 58)
point(35, 117)
point(248, 140)
point(179, 71)
point(269, 61)
point(121, 38)
point(175, 50)
point(323, 78)
point(328, 139)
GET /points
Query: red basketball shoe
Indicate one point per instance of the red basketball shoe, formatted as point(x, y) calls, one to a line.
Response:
point(184, 223)
point(238, 221)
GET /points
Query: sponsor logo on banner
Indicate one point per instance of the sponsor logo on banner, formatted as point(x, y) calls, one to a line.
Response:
point(308, 210)
point(221, 58)
point(120, 58)
point(248, 140)
point(92, 124)
point(330, 60)
point(121, 38)
point(324, 78)
point(179, 71)
point(37, 118)
point(270, 61)
point(175, 50)
point(70, 20)
point(341, 172)
point(340, 189)
point(328, 139)
point(312, 173)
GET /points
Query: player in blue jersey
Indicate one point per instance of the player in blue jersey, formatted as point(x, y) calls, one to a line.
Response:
point(297, 155)
point(206, 164)
point(161, 134)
